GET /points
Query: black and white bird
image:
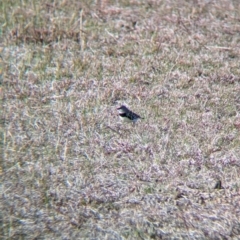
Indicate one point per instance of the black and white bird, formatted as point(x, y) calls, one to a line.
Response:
point(127, 115)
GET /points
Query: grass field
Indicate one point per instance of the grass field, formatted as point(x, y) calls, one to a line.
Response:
point(70, 169)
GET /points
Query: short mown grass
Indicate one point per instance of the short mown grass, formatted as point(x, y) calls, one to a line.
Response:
point(70, 169)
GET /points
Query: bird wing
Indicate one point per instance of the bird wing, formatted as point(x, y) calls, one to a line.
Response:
point(131, 115)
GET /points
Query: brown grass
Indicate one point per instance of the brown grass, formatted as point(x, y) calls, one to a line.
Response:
point(71, 169)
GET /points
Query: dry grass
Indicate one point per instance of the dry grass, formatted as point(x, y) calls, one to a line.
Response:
point(70, 169)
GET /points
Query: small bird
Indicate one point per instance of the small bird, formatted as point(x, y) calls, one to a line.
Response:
point(127, 115)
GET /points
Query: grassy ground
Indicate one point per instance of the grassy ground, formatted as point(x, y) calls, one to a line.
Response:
point(70, 169)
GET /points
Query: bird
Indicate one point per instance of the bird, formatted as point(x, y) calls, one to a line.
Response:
point(127, 115)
